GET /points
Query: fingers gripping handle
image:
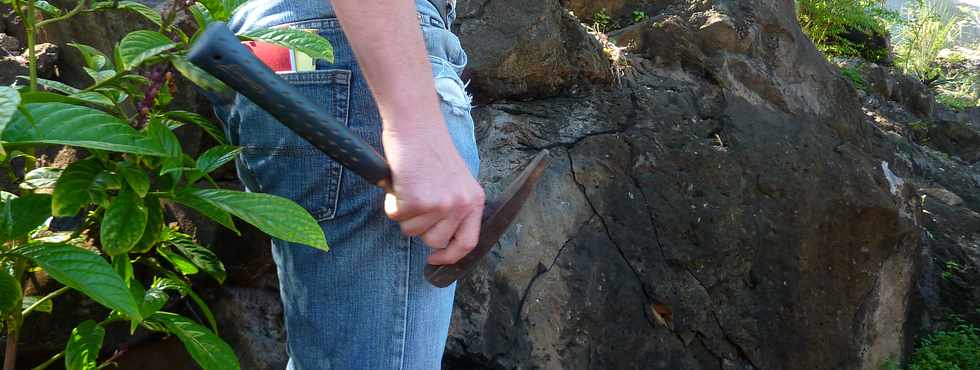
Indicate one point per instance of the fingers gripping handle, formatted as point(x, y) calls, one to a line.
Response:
point(219, 52)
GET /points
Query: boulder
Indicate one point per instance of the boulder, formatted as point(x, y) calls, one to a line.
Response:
point(958, 138)
point(727, 207)
point(9, 44)
point(521, 49)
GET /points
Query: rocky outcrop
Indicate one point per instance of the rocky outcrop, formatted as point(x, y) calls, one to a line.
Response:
point(528, 49)
point(726, 207)
point(941, 149)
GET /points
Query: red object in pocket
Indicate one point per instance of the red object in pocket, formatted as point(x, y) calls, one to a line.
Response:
point(274, 56)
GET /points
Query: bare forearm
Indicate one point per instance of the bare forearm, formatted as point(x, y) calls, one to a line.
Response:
point(387, 41)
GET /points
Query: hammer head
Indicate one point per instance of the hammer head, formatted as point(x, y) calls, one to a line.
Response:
point(498, 214)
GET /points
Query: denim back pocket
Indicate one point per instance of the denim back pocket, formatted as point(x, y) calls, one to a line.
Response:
point(280, 162)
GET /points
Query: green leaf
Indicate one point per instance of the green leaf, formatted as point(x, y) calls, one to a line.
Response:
point(84, 345)
point(198, 120)
point(200, 77)
point(200, 255)
point(279, 217)
point(174, 167)
point(206, 348)
point(49, 97)
point(134, 85)
point(201, 16)
point(165, 139)
point(143, 10)
point(153, 301)
point(184, 289)
point(93, 58)
point(172, 283)
point(188, 198)
point(204, 309)
point(41, 179)
point(135, 177)
point(10, 292)
point(154, 225)
point(47, 8)
point(47, 306)
point(139, 294)
point(216, 157)
point(124, 267)
point(139, 46)
point(100, 76)
point(308, 43)
point(123, 223)
point(232, 5)
point(78, 185)
point(183, 265)
point(22, 215)
point(9, 100)
point(216, 8)
point(116, 95)
point(84, 271)
point(117, 57)
point(56, 86)
point(92, 97)
point(65, 124)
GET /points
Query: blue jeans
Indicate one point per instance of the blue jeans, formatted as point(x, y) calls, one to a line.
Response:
point(364, 304)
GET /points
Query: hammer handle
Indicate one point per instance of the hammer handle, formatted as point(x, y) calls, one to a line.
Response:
point(219, 52)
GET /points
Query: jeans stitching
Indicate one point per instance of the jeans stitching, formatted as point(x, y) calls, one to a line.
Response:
point(334, 75)
point(407, 289)
point(326, 209)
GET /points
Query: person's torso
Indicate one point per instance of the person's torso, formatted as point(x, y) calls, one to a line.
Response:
point(267, 13)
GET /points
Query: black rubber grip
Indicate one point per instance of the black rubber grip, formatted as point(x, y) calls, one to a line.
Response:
point(219, 52)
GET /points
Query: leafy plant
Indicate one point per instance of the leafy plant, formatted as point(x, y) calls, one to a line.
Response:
point(602, 21)
point(920, 132)
point(958, 88)
point(930, 26)
point(123, 122)
point(957, 348)
point(855, 77)
point(951, 268)
point(830, 23)
point(639, 16)
point(891, 364)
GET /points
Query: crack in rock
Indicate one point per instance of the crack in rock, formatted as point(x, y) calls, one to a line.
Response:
point(542, 270)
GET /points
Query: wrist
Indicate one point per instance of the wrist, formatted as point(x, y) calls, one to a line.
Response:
point(431, 131)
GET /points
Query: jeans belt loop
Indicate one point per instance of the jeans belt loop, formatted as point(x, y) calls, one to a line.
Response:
point(443, 7)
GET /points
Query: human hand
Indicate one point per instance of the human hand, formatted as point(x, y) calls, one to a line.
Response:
point(435, 197)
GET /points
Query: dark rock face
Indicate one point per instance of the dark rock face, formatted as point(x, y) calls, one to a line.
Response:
point(620, 12)
point(941, 147)
point(727, 207)
point(524, 49)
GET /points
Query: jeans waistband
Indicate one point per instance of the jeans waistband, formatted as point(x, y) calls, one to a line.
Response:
point(269, 13)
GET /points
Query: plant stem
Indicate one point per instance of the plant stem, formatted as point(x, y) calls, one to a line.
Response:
point(50, 361)
point(29, 24)
point(48, 297)
point(10, 353)
point(13, 324)
point(77, 9)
